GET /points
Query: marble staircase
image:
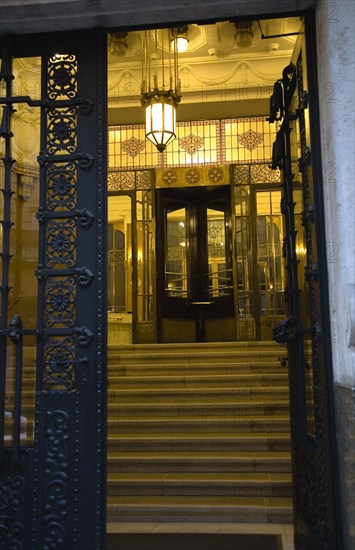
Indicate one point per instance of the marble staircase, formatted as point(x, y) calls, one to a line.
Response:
point(198, 433)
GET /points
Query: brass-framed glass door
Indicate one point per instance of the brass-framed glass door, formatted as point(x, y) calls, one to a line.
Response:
point(194, 260)
point(259, 265)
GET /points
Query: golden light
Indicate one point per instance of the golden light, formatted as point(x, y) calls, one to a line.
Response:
point(160, 121)
point(160, 86)
point(179, 40)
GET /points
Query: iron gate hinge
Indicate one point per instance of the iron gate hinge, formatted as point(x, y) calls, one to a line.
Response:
point(84, 159)
point(84, 216)
point(84, 104)
point(16, 331)
point(84, 274)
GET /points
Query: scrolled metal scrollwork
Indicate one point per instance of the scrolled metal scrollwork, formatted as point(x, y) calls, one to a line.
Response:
point(85, 106)
point(61, 250)
point(56, 487)
point(85, 160)
point(84, 336)
point(60, 295)
point(59, 357)
point(61, 131)
point(62, 77)
point(287, 330)
point(12, 502)
point(5, 515)
point(85, 217)
point(61, 186)
point(85, 276)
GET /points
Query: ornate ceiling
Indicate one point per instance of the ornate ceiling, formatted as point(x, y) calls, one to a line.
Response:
point(213, 70)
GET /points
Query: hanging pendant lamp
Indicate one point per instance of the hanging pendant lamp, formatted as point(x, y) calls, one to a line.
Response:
point(160, 87)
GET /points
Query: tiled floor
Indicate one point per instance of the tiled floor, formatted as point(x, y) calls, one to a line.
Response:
point(285, 531)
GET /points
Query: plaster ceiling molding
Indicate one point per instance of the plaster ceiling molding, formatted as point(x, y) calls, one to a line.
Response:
point(134, 47)
point(27, 77)
point(211, 77)
point(243, 81)
point(26, 143)
point(27, 115)
point(227, 32)
point(125, 87)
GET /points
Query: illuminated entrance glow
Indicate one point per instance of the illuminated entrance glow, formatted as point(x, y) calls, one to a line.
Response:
point(218, 150)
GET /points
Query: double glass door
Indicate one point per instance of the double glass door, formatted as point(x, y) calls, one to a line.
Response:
point(194, 240)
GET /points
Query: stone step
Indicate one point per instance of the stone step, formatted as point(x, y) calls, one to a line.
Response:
point(191, 509)
point(191, 357)
point(268, 368)
point(191, 347)
point(199, 484)
point(206, 381)
point(172, 409)
point(199, 442)
point(192, 425)
point(161, 369)
point(199, 433)
point(198, 394)
point(268, 462)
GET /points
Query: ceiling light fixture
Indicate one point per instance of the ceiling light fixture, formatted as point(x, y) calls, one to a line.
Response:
point(244, 35)
point(118, 44)
point(160, 86)
point(180, 40)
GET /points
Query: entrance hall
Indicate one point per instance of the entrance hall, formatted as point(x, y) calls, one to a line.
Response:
point(198, 398)
point(165, 336)
point(196, 231)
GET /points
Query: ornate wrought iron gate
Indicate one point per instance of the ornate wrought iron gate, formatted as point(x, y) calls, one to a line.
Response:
point(306, 330)
point(52, 488)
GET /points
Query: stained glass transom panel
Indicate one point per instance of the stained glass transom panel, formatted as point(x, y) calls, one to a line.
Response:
point(203, 143)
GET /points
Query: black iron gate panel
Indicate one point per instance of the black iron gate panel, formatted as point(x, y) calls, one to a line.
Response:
point(306, 329)
point(52, 491)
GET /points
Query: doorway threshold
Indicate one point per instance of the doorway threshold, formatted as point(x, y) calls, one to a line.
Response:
point(186, 536)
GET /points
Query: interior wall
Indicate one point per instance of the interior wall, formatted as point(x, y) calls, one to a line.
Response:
point(195, 111)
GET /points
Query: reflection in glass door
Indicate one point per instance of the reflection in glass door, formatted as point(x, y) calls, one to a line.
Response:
point(116, 292)
point(220, 276)
point(269, 253)
point(131, 268)
point(195, 275)
point(259, 262)
point(176, 253)
point(119, 270)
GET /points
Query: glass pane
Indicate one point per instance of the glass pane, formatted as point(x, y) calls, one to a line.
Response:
point(269, 252)
point(243, 250)
point(24, 205)
point(119, 270)
point(145, 256)
point(219, 274)
point(176, 254)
